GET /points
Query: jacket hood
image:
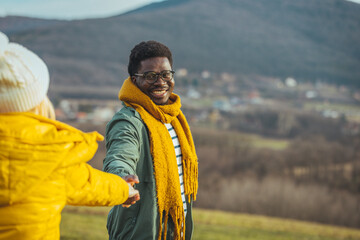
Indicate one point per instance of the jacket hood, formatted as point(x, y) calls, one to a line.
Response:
point(33, 147)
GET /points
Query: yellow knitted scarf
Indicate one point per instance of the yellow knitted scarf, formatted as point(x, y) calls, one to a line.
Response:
point(163, 153)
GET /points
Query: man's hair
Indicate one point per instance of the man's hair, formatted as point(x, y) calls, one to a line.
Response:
point(146, 50)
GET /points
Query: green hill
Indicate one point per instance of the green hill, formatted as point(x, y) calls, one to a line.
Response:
point(90, 223)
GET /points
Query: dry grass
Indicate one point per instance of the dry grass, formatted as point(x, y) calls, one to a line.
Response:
point(89, 223)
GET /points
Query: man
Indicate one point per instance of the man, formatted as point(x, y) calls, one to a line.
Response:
point(150, 138)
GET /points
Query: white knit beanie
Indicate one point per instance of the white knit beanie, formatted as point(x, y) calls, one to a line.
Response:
point(24, 77)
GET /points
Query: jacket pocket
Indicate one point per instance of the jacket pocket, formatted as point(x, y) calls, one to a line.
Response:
point(121, 222)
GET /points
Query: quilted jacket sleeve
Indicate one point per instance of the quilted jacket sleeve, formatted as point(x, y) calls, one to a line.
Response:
point(123, 145)
point(91, 187)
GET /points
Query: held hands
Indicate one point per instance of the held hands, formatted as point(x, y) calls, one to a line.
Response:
point(133, 193)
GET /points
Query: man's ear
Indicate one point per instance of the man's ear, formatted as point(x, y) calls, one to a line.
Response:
point(133, 79)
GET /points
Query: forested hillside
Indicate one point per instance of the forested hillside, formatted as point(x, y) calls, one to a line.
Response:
point(310, 40)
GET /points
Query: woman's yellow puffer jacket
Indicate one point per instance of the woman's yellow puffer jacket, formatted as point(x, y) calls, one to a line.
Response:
point(42, 168)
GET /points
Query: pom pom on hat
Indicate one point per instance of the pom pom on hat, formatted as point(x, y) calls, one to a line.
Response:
point(24, 77)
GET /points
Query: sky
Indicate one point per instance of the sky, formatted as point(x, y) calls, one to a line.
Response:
point(69, 9)
point(72, 9)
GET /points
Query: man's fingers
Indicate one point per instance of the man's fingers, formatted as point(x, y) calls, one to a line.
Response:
point(134, 195)
point(131, 200)
point(134, 198)
point(133, 179)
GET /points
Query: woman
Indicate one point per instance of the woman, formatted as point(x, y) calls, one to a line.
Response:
point(42, 161)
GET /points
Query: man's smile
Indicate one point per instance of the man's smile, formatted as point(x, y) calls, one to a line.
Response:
point(158, 92)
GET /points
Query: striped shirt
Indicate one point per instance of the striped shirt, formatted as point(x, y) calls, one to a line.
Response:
point(178, 154)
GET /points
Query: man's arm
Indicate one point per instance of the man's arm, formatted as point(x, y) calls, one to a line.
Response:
point(123, 147)
point(123, 152)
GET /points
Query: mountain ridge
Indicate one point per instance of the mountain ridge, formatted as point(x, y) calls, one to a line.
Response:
point(309, 39)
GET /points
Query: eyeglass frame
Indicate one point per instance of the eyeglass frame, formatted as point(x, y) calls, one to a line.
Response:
point(157, 76)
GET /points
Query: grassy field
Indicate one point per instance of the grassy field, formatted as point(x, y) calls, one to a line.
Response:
point(254, 140)
point(270, 143)
point(90, 223)
point(352, 112)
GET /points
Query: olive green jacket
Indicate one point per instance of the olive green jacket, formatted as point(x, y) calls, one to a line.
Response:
point(128, 152)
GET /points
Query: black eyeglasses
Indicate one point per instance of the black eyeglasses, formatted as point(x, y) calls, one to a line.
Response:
point(151, 77)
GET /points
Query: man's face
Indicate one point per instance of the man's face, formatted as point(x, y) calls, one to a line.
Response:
point(160, 90)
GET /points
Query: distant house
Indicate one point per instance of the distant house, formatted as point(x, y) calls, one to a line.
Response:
point(102, 114)
point(60, 115)
point(254, 97)
point(81, 116)
point(290, 82)
point(192, 93)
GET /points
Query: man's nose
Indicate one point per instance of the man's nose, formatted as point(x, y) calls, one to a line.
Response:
point(159, 80)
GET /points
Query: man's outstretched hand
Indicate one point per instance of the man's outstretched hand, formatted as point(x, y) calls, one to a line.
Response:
point(134, 195)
